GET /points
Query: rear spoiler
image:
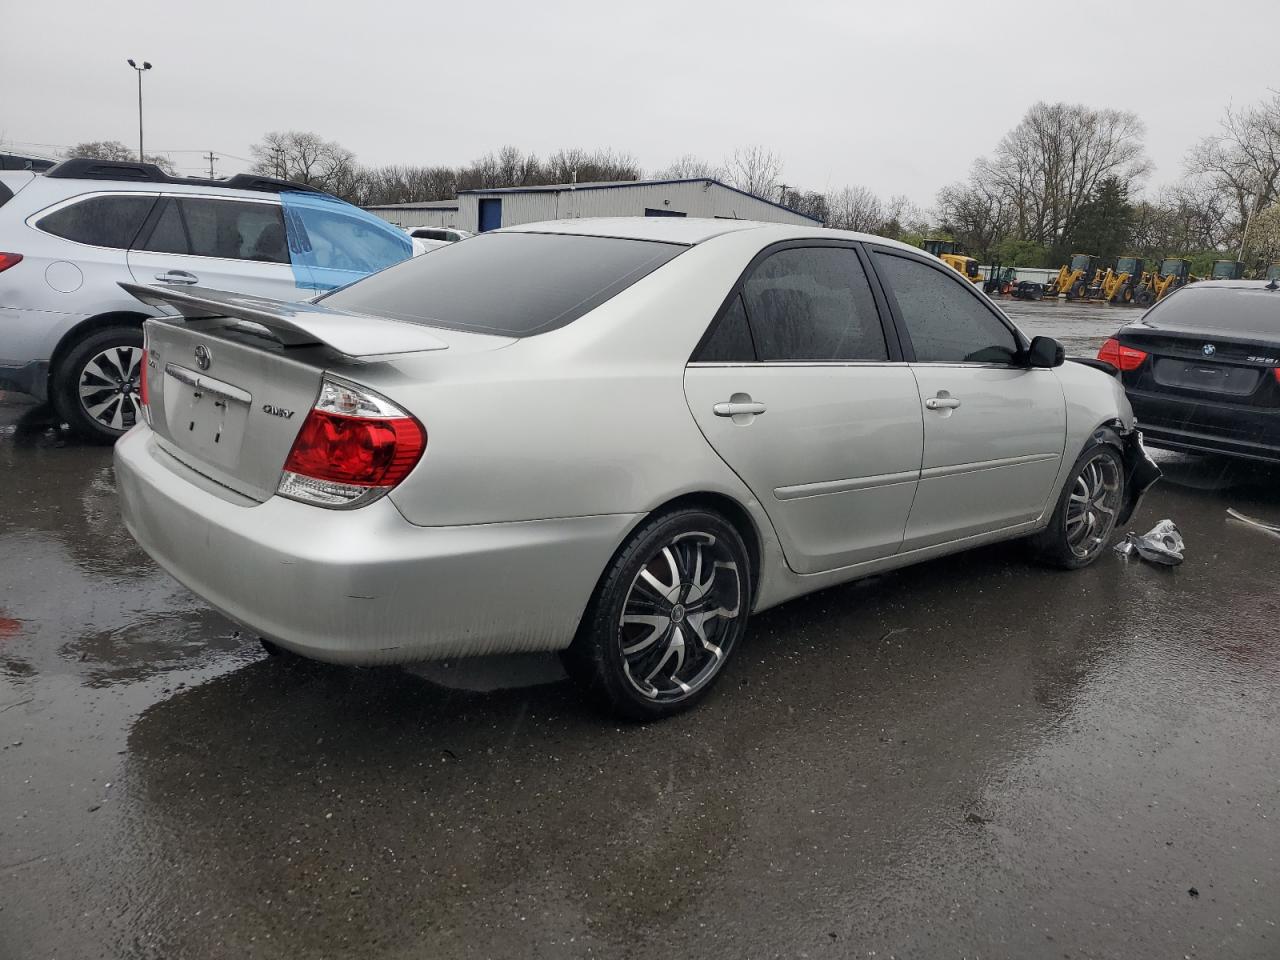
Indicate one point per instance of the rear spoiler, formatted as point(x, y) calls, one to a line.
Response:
point(294, 324)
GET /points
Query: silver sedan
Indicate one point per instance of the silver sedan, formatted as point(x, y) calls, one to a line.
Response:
point(613, 438)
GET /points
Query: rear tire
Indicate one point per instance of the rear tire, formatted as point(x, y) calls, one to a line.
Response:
point(1144, 298)
point(96, 387)
point(1076, 291)
point(666, 616)
point(1085, 517)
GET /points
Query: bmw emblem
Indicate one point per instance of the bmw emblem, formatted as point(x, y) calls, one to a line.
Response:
point(203, 357)
point(1208, 349)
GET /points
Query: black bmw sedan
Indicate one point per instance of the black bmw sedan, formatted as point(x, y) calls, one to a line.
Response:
point(1202, 369)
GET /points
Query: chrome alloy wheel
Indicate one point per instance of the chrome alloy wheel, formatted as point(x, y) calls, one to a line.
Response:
point(109, 385)
point(1094, 503)
point(680, 618)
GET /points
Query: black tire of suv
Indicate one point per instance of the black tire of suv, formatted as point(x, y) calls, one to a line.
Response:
point(1052, 545)
point(65, 385)
point(595, 658)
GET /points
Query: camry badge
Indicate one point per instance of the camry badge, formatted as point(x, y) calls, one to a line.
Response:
point(203, 357)
point(275, 411)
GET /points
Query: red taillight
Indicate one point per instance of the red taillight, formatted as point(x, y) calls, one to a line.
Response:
point(354, 446)
point(1276, 371)
point(1120, 356)
point(354, 450)
point(142, 377)
point(7, 260)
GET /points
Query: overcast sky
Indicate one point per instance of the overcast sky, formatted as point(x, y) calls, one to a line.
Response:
point(897, 96)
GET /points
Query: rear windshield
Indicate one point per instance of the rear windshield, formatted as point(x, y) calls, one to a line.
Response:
point(511, 284)
point(5, 194)
point(1245, 311)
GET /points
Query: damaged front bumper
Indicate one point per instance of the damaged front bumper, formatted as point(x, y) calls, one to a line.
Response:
point(1140, 472)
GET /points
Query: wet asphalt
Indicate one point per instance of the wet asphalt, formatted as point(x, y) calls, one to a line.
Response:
point(972, 758)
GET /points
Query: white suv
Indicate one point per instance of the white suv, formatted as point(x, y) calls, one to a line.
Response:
point(69, 236)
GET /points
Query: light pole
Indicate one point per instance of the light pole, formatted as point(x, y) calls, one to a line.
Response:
point(140, 69)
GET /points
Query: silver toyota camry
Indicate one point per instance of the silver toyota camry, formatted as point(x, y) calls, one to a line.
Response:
point(614, 438)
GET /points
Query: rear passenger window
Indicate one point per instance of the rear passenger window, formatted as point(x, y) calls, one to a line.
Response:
point(219, 228)
point(730, 341)
point(946, 322)
point(231, 229)
point(101, 221)
point(813, 303)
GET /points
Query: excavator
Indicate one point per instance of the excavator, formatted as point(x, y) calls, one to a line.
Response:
point(948, 251)
point(1074, 278)
point(1174, 272)
point(1227, 270)
point(1118, 283)
point(1273, 272)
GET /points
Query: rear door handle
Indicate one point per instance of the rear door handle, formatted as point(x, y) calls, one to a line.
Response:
point(736, 409)
point(941, 403)
point(177, 276)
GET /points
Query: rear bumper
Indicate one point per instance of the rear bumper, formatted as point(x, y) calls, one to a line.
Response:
point(364, 586)
point(1208, 427)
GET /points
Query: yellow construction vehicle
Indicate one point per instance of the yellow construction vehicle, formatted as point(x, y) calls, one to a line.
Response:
point(948, 251)
point(1174, 272)
point(1074, 278)
point(1118, 283)
point(1227, 270)
point(1273, 272)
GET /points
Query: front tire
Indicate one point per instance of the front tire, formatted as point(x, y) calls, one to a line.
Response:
point(97, 386)
point(1085, 517)
point(666, 616)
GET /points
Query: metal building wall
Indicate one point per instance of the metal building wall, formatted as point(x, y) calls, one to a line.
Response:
point(693, 199)
point(417, 216)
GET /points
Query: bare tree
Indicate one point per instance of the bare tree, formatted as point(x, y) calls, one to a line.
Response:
point(307, 158)
point(688, 167)
point(855, 208)
point(754, 169)
point(115, 150)
point(1243, 161)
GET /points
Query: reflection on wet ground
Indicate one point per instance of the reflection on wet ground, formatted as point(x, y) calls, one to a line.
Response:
point(975, 757)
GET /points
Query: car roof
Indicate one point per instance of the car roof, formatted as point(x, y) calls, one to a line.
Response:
point(693, 230)
point(1226, 285)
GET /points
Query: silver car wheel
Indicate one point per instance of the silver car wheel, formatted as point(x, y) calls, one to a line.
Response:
point(109, 385)
point(678, 621)
point(1094, 503)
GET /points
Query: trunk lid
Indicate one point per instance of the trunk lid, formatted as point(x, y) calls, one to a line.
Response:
point(230, 381)
point(1195, 365)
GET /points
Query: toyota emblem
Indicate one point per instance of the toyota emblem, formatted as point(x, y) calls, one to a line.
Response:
point(203, 357)
point(1208, 349)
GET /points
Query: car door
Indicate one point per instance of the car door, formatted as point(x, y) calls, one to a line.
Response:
point(222, 243)
point(994, 428)
point(800, 389)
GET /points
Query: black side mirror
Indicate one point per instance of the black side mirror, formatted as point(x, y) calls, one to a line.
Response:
point(1046, 352)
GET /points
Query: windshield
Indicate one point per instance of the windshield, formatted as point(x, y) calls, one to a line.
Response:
point(511, 284)
point(1127, 265)
point(1080, 261)
point(1171, 266)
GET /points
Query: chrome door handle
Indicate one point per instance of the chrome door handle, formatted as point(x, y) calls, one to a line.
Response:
point(177, 276)
point(735, 409)
point(941, 403)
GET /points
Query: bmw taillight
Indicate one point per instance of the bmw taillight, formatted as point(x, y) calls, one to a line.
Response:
point(1120, 356)
point(8, 260)
point(354, 446)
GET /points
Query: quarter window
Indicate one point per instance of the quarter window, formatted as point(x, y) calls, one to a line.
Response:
point(813, 303)
point(946, 322)
point(101, 221)
point(730, 341)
